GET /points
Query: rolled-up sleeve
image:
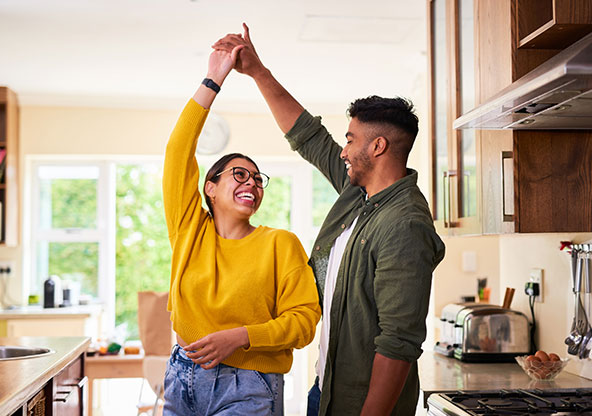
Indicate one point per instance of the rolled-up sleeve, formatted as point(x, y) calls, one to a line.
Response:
point(405, 263)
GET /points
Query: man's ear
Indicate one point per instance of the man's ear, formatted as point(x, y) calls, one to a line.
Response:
point(210, 189)
point(380, 146)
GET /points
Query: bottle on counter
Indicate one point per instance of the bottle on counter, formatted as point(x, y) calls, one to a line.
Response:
point(52, 292)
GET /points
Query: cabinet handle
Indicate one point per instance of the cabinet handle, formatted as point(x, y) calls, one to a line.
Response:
point(63, 396)
point(507, 191)
point(447, 206)
point(445, 195)
point(81, 383)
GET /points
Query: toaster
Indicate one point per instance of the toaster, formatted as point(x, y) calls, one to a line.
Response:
point(478, 332)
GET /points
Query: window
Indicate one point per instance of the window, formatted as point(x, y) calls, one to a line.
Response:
point(70, 225)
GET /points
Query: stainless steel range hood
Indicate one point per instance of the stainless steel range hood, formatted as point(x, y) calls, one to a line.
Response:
point(555, 95)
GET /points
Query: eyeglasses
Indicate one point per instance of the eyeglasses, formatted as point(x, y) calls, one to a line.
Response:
point(242, 175)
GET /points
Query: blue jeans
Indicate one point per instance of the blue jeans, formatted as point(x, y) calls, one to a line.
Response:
point(223, 390)
point(314, 398)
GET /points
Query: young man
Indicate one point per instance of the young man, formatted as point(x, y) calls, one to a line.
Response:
point(375, 253)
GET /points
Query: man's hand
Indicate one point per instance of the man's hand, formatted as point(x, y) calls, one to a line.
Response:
point(212, 349)
point(248, 61)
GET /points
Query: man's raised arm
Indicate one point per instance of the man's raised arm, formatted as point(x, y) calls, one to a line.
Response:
point(283, 106)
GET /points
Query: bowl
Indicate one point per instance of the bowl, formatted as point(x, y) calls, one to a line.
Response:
point(541, 370)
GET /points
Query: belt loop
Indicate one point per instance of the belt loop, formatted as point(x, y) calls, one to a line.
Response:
point(174, 351)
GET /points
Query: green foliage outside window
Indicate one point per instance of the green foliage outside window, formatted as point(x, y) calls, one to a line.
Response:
point(143, 251)
point(73, 202)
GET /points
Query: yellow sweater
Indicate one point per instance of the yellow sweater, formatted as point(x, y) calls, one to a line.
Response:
point(261, 282)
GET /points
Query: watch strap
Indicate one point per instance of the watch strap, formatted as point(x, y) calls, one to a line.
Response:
point(211, 85)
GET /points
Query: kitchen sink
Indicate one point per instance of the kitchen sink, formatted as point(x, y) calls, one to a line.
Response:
point(8, 352)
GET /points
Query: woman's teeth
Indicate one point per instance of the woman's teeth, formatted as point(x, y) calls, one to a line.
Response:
point(246, 195)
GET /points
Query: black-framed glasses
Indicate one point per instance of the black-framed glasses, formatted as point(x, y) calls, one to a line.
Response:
point(241, 175)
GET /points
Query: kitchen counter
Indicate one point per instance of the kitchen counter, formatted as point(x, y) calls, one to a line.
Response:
point(438, 374)
point(20, 379)
point(31, 312)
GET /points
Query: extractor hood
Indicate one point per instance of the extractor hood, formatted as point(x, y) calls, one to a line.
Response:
point(555, 95)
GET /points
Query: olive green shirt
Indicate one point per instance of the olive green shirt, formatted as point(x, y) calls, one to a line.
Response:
point(383, 285)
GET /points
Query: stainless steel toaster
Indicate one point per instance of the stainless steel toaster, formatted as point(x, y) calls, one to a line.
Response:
point(483, 333)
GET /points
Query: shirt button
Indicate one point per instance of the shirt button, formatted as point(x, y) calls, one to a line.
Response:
point(364, 213)
point(342, 226)
point(317, 248)
point(367, 202)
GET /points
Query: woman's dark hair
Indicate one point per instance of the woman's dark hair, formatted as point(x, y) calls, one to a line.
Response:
point(218, 167)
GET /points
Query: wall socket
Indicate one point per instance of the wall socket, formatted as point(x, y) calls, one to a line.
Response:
point(536, 276)
point(4, 266)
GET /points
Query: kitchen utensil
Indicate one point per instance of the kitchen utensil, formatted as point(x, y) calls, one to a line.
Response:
point(508, 297)
point(579, 329)
point(585, 344)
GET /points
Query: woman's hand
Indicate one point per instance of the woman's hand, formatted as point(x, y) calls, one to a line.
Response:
point(221, 63)
point(248, 61)
point(212, 349)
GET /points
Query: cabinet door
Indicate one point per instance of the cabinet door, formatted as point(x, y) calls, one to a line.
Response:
point(467, 206)
point(455, 155)
point(69, 390)
point(438, 114)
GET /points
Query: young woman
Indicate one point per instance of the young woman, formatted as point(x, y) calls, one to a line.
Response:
point(241, 297)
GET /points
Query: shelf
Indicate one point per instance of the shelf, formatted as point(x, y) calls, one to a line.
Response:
point(552, 24)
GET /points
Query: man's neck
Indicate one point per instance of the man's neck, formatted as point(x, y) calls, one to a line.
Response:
point(381, 180)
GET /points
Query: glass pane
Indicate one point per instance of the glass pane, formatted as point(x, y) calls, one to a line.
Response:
point(68, 197)
point(440, 101)
point(141, 233)
point(323, 198)
point(76, 263)
point(468, 176)
point(275, 207)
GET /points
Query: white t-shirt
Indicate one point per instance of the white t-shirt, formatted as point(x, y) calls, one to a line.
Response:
point(332, 268)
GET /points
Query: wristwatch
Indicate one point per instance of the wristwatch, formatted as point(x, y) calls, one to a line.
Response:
point(211, 85)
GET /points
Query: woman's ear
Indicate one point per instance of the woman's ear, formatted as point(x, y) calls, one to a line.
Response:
point(210, 189)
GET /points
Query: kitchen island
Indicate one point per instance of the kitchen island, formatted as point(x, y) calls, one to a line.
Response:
point(23, 379)
point(439, 374)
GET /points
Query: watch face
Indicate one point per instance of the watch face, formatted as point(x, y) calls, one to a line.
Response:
point(214, 136)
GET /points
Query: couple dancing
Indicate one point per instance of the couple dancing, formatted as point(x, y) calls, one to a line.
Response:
point(243, 297)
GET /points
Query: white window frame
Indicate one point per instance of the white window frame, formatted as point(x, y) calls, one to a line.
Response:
point(103, 234)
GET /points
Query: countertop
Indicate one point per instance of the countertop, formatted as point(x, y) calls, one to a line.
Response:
point(29, 312)
point(21, 379)
point(438, 373)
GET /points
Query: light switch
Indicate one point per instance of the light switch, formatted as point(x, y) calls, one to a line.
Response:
point(469, 261)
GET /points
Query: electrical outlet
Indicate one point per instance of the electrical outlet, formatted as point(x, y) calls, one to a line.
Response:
point(6, 268)
point(536, 276)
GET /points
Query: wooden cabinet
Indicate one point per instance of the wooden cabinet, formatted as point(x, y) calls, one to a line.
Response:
point(552, 24)
point(9, 156)
point(549, 173)
point(64, 395)
point(70, 390)
point(526, 181)
point(455, 181)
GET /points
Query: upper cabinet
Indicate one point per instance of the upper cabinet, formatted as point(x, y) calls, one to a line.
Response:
point(552, 24)
point(455, 179)
point(500, 181)
point(9, 156)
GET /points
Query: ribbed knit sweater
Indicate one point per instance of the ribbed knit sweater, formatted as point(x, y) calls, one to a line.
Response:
point(261, 281)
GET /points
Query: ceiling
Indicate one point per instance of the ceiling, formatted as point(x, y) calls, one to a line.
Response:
point(153, 53)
